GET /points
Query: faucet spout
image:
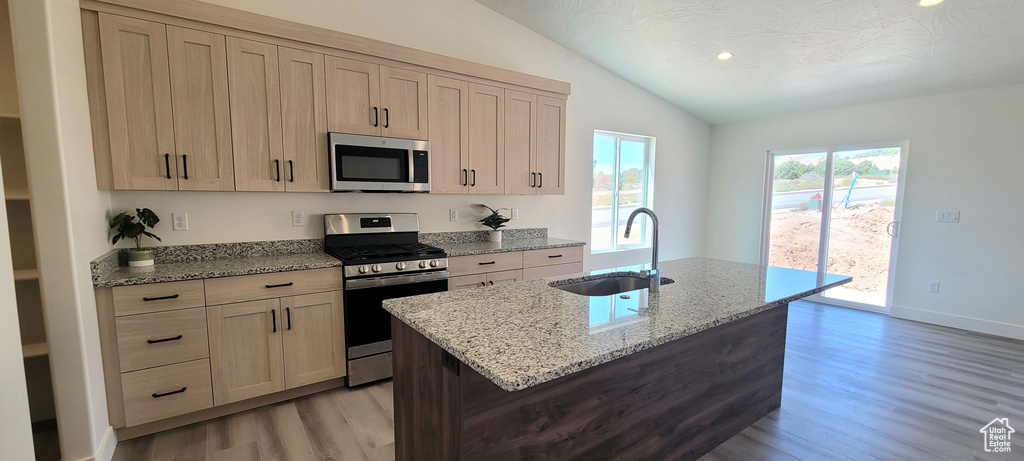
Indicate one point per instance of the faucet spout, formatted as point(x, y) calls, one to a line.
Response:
point(653, 275)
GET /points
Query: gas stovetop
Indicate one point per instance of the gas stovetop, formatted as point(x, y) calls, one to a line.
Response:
point(374, 245)
point(370, 254)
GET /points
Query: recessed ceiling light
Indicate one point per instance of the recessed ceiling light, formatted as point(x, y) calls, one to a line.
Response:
point(929, 2)
point(725, 55)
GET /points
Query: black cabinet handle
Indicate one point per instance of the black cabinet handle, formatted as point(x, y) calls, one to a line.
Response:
point(474, 178)
point(165, 394)
point(279, 285)
point(491, 282)
point(167, 164)
point(464, 179)
point(291, 169)
point(387, 119)
point(277, 166)
point(488, 264)
point(184, 164)
point(161, 298)
point(154, 341)
point(541, 182)
point(273, 319)
point(533, 179)
point(554, 256)
point(483, 284)
point(376, 117)
point(288, 313)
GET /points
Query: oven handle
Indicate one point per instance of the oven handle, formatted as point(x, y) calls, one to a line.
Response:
point(375, 282)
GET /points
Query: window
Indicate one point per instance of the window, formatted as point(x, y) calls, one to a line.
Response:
point(622, 183)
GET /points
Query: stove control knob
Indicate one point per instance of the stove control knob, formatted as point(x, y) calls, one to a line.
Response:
point(423, 264)
point(376, 268)
point(433, 263)
point(363, 269)
point(400, 266)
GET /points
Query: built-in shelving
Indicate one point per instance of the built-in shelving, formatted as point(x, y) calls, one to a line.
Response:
point(34, 350)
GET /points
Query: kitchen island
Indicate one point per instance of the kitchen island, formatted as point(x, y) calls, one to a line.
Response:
point(527, 370)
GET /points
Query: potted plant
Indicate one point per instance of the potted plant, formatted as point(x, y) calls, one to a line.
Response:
point(134, 227)
point(495, 221)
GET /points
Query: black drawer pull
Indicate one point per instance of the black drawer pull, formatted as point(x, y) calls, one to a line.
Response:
point(488, 264)
point(279, 285)
point(376, 117)
point(273, 318)
point(184, 164)
point(154, 341)
point(387, 120)
point(288, 313)
point(167, 164)
point(161, 298)
point(483, 284)
point(490, 282)
point(165, 394)
point(554, 256)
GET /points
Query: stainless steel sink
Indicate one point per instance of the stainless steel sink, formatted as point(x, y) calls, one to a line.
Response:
point(609, 285)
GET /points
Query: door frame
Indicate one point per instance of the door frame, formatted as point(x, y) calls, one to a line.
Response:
point(826, 214)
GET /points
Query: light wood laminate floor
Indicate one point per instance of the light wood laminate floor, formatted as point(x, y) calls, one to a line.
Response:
point(858, 386)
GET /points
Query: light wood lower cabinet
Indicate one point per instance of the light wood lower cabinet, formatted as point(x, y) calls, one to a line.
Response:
point(314, 338)
point(163, 392)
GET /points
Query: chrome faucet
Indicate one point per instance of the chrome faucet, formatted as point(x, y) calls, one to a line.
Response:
point(653, 275)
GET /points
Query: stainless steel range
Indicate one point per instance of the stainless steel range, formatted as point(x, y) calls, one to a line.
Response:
point(383, 259)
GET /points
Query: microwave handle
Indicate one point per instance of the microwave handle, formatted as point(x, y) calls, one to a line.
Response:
point(412, 166)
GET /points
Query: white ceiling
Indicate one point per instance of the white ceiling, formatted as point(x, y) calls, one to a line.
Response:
point(790, 55)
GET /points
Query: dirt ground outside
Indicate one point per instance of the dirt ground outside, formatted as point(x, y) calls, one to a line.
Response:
point(858, 244)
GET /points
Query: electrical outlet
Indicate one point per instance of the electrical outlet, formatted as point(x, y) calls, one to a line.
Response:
point(933, 287)
point(515, 214)
point(298, 219)
point(947, 216)
point(453, 214)
point(180, 221)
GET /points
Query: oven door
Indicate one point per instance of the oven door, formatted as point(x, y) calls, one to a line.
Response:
point(368, 325)
point(367, 163)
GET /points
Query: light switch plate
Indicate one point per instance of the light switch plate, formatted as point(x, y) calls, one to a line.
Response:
point(453, 214)
point(947, 216)
point(180, 221)
point(298, 218)
point(515, 214)
point(933, 287)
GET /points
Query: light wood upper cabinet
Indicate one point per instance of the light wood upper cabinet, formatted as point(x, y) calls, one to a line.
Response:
point(353, 97)
point(550, 160)
point(486, 139)
point(304, 118)
point(202, 121)
point(520, 142)
point(403, 97)
point(256, 132)
point(448, 128)
point(138, 103)
point(246, 349)
point(314, 338)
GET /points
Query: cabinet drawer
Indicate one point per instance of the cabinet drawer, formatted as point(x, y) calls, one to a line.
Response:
point(550, 256)
point(540, 272)
point(478, 264)
point(167, 391)
point(157, 297)
point(467, 282)
point(275, 285)
point(151, 340)
point(501, 278)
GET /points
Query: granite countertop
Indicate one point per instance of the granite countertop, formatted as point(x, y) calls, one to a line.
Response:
point(522, 334)
point(476, 248)
point(212, 268)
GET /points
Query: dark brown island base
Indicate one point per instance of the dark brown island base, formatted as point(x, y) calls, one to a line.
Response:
point(672, 377)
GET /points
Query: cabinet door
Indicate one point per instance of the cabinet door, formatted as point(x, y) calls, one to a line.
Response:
point(520, 142)
point(448, 127)
point(138, 96)
point(403, 97)
point(486, 139)
point(202, 121)
point(255, 94)
point(466, 282)
point(314, 338)
point(503, 277)
point(245, 349)
point(550, 163)
point(304, 117)
point(353, 97)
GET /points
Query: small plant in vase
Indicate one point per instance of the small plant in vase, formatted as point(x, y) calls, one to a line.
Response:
point(495, 221)
point(134, 227)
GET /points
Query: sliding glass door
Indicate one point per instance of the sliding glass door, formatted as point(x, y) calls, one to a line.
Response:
point(836, 210)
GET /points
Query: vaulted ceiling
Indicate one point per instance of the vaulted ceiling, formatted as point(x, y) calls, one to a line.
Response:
point(789, 55)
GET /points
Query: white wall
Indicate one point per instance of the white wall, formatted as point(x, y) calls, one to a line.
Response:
point(68, 213)
point(966, 153)
point(468, 30)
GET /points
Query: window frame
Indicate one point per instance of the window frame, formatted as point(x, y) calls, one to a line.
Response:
point(646, 195)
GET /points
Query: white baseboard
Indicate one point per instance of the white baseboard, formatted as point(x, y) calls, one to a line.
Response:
point(956, 321)
point(107, 446)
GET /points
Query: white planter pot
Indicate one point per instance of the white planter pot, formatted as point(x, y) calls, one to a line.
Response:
point(494, 236)
point(140, 258)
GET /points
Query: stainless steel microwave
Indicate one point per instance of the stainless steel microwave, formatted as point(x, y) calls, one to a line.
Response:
point(376, 164)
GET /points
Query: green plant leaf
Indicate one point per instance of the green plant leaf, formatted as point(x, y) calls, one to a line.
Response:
point(147, 234)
